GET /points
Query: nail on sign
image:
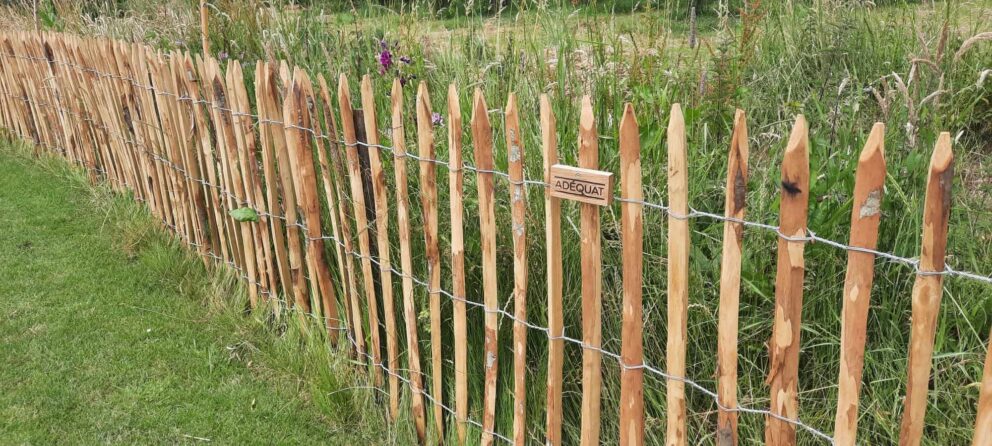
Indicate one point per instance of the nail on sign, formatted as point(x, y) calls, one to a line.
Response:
point(582, 185)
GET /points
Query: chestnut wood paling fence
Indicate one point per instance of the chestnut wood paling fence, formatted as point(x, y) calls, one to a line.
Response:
point(178, 132)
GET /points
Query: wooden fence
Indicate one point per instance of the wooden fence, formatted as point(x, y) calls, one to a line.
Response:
point(178, 132)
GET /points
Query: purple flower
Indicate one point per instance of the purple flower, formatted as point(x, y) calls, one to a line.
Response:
point(406, 60)
point(385, 61)
point(222, 55)
point(437, 119)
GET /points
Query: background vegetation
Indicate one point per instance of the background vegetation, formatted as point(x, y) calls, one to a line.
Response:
point(919, 68)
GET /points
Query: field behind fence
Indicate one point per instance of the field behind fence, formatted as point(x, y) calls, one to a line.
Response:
point(297, 195)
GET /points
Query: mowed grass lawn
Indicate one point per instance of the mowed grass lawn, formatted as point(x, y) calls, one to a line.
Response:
point(108, 334)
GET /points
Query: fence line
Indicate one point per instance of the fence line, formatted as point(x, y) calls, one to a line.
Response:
point(27, 123)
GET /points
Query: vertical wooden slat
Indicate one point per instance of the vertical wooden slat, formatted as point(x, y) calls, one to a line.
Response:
point(428, 201)
point(518, 206)
point(336, 201)
point(303, 169)
point(927, 290)
point(272, 136)
point(678, 275)
point(361, 221)
point(632, 230)
point(482, 139)
point(730, 283)
point(204, 34)
point(592, 285)
point(865, 216)
point(406, 263)
point(382, 243)
point(552, 234)
point(783, 373)
point(456, 186)
point(983, 421)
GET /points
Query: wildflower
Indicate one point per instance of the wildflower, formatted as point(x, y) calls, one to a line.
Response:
point(222, 56)
point(406, 60)
point(385, 61)
point(437, 120)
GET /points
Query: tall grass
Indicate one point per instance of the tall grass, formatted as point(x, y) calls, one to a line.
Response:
point(842, 64)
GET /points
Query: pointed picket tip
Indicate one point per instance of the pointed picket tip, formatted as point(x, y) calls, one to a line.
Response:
point(628, 122)
point(874, 145)
point(454, 106)
point(799, 136)
point(397, 93)
point(511, 104)
point(942, 154)
point(676, 116)
point(344, 95)
point(587, 121)
point(423, 97)
point(479, 109)
point(366, 83)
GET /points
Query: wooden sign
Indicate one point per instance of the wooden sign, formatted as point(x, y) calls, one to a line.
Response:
point(582, 185)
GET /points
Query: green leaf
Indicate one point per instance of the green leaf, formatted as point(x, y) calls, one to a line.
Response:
point(244, 214)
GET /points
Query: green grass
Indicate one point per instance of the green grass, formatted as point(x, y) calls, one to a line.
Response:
point(112, 333)
point(818, 58)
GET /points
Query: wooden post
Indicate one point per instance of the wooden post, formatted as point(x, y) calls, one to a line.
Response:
point(552, 234)
point(331, 171)
point(678, 275)
point(456, 185)
point(482, 139)
point(983, 422)
point(382, 243)
point(518, 205)
point(428, 202)
point(204, 34)
point(632, 230)
point(303, 167)
point(927, 291)
point(406, 264)
point(865, 216)
point(730, 283)
point(361, 222)
point(592, 285)
point(783, 373)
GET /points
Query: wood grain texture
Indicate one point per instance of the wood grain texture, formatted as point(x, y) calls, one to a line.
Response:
point(927, 290)
point(552, 235)
point(592, 285)
point(783, 373)
point(322, 103)
point(406, 264)
point(456, 187)
point(297, 111)
point(678, 276)
point(632, 238)
point(730, 282)
point(518, 222)
point(337, 201)
point(382, 243)
point(361, 222)
point(482, 139)
point(866, 214)
point(983, 421)
point(428, 202)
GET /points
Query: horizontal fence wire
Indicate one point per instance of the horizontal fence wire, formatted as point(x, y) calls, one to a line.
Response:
point(399, 155)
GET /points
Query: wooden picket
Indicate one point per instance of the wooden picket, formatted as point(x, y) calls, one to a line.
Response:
point(179, 132)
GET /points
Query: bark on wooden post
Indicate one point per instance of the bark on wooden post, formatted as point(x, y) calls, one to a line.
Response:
point(928, 290)
point(865, 217)
point(552, 234)
point(783, 373)
point(632, 336)
point(730, 283)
